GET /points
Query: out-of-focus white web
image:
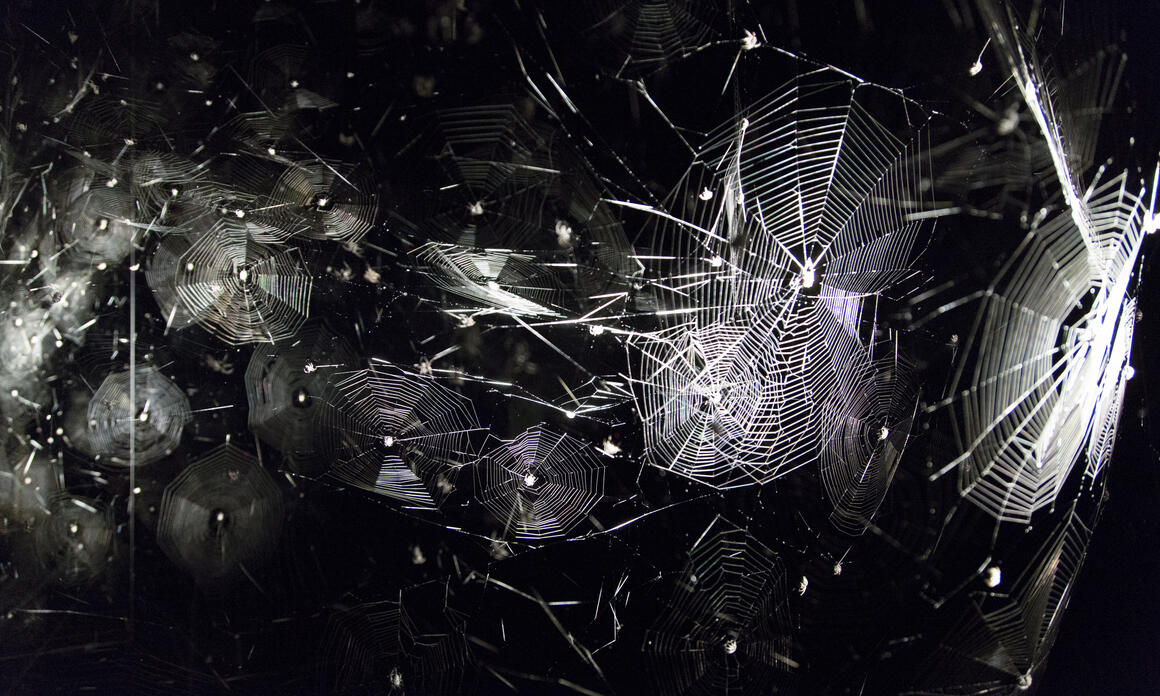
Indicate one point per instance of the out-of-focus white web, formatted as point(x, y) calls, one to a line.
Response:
point(156, 419)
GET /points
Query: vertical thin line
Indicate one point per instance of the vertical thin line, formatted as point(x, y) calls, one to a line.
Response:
point(132, 435)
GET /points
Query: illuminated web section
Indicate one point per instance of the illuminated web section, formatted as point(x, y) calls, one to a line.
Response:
point(728, 628)
point(284, 384)
point(520, 209)
point(643, 35)
point(153, 423)
point(860, 456)
point(412, 645)
point(498, 280)
point(395, 433)
point(97, 227)
point(1042, 375)
point(74, 539)
point(321, 201)
point(240, 290)
point(790, 220)
point(542, 483)
point(221, 515)
point(1005, 636)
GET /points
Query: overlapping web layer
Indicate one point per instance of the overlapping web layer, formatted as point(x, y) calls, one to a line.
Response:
point(221, 516)
point(145, 421)
point(520, 226)
point(74, 538)
point(727, 628)
point(1006, 635)
point(396, 433)
point(284, 386)
point(496, 280)
point(1044, 367)
point(790, 221)
point(241, 290)
point(413, 644)
point(542, 484)
point(321, 201)
point(859, 458)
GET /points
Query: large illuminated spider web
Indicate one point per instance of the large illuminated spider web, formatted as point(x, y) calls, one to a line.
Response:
point(790, 220)
point(1047, 351)
point(241, 290)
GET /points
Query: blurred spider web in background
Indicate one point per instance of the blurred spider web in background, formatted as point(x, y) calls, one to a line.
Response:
point(606, 347)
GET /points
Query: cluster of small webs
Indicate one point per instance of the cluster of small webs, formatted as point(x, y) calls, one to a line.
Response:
point(407, 436)
point(384, 429)
point(795, 217)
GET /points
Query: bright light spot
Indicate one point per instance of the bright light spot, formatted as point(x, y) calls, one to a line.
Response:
point(530, 479)
point(716, 262)
point(563, 233)
point(977, 68)
point(994, 576)
point(730, 646)
point(883, 433)
point(749, 41)
point(388, 441)
point(706, 194)
point(1129, 372)
point(809, 275)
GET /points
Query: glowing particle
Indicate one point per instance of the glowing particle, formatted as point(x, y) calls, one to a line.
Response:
point(749, 41)
point(705, 194)
point(994, 576)
point(809, 274)
point(563, 233)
